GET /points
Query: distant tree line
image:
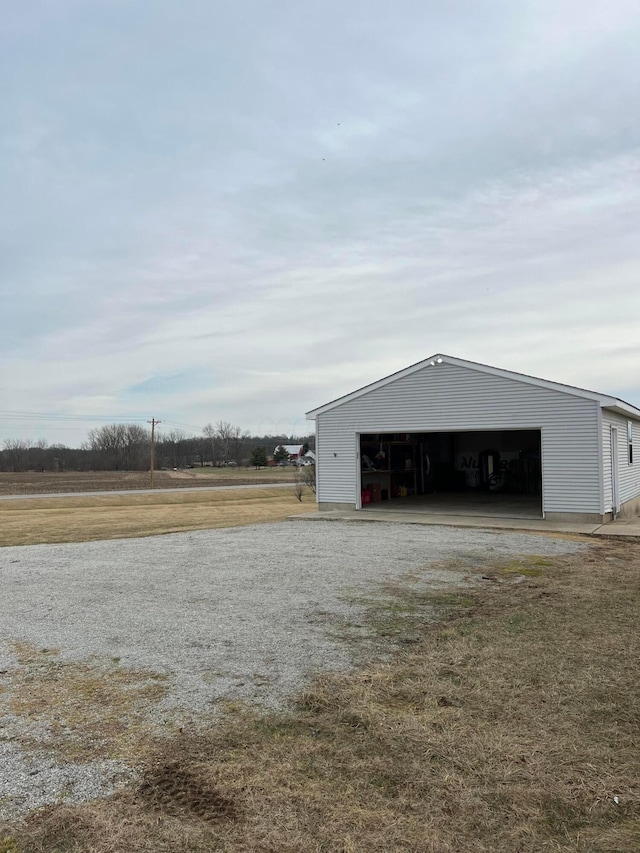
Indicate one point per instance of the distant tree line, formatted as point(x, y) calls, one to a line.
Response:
point(126, 447)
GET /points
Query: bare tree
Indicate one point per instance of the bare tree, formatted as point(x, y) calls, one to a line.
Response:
point(173, 446)
point(305, 478)
point(58, 455)
point(230, 440)
point(308, 477)
point(210, 432)
point(136, 447)
point(198, 449)
point(224, 432)
point(120, 446)
point(237, 444)
point(106, 443)
point(37, 457)
point(16, 451)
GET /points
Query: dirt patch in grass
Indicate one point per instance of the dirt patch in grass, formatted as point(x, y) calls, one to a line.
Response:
point(184, 789)
point(81, 519)
point(511, 723)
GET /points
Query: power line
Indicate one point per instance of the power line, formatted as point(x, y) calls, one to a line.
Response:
point(178, 424)
point(5, 427)
point(55, 416)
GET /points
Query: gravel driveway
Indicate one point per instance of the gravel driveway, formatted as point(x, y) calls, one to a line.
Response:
point(209, 615)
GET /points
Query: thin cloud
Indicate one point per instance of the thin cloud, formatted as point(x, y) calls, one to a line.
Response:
point(241, 213)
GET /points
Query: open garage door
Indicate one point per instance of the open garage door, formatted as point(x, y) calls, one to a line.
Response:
point(455, 473)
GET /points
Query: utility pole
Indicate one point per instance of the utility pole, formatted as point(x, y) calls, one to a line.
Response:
point(154, 423)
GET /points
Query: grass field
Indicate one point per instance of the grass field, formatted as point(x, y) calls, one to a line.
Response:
point(81, 519)
point(510, 724)
point(278, 472)
point(47, 482)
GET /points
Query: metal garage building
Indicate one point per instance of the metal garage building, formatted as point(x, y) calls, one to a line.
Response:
point(452, 435)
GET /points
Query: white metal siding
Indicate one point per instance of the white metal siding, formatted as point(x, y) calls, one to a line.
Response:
point(317, 458)
point(452, 398)
point(628, 475)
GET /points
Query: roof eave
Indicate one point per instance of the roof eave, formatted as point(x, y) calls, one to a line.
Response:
point(622, 408)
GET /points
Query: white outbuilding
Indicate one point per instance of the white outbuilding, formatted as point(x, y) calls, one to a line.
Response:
point(449, 435)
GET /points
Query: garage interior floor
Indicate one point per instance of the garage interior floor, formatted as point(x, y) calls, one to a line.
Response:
point(464, 503)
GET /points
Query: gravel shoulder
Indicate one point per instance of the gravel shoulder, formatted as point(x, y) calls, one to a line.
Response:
point(101, 641)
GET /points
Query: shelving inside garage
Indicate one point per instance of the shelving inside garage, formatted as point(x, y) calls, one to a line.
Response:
point(399, 465)
point(389, 466)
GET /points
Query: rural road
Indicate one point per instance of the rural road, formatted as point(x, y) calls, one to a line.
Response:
point(146, 491)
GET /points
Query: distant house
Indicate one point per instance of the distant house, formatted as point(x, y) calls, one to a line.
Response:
point(308, 458)
point(297, 454)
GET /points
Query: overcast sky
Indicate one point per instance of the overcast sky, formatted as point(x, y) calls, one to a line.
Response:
point(240, 211)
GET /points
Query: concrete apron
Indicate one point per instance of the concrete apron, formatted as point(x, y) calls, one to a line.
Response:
point(622, 527)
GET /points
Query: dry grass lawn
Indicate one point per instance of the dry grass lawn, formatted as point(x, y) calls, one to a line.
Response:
point(81, 519)
point(511, 724)
point(275, 474)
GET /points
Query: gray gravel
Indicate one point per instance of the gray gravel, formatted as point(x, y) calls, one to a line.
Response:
point(242, 612)
point(33, 780)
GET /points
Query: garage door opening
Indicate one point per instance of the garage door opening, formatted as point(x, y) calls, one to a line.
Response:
point(457, 473)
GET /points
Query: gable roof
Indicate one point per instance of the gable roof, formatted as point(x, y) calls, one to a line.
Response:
point(606, 401)
point(292, 449)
